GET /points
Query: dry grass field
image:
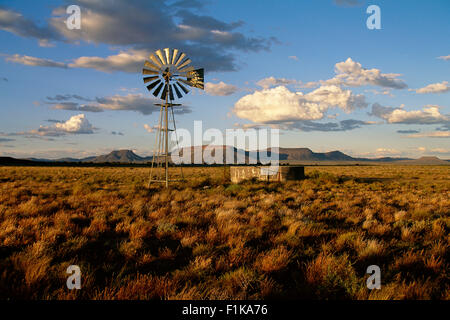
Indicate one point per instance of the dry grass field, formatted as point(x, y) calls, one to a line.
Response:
point(210, 239)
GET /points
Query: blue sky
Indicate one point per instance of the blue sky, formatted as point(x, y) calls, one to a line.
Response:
point(311, 68)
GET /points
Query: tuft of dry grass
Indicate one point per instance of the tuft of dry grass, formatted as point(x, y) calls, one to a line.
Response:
point(274, 260)
point(331, 276)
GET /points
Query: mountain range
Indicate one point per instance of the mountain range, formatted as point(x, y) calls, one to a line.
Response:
point(286, 155)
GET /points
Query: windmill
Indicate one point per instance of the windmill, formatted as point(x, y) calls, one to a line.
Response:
point(168, 73)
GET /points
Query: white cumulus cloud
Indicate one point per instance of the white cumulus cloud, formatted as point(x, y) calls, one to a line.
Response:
point(270, 82)
point(429, 114)
point(282, 105)
point(352, 74)
point(220, 89)
point(387, 152)
point(435, 88)
point(151, 129)
point(434, 134)
point(77, 124)
point(446, 58)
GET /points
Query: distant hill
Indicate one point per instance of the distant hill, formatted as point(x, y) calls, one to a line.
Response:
point(286, 155)
point(123, 156)
point(8, 161)
point(426, 160)
point(384, 159)
point(305, 154)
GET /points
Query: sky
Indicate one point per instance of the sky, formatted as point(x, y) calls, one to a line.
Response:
point(312, 69)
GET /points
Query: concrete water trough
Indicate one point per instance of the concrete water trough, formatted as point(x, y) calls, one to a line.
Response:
point(267, 173)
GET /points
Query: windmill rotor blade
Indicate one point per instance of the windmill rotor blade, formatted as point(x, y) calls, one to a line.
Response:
point(175, 53)
point(167, 52)
point(182, 55)
point(164, 93)
point(186, 70)
point(158, 89)
point(153, 84)
point(186, 91)
point(145, 71)
point(155, 60)
point(185, 63)
point(177, 91)
point(148, 79)
point(160, 56)
point(151, 66)
point(171, 93)
point(186, 82)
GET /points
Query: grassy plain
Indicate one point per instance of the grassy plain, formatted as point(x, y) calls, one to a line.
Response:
point(210, 239)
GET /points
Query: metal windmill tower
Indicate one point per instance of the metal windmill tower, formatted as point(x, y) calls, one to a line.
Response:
point(165, 74)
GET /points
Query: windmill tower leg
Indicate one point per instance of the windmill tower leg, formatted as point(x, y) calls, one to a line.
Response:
point(176, 138)
point(166, 147)
point(157, 150)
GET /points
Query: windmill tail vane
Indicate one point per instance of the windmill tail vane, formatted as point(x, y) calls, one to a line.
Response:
point(167, 74)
